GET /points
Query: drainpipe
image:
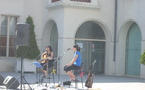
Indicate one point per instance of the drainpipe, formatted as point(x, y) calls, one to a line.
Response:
point(115, 32)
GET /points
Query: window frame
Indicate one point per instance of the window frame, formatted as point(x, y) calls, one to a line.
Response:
point(8, 44)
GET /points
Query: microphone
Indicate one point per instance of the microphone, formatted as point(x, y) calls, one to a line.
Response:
point(94, 62)
point(68, 49)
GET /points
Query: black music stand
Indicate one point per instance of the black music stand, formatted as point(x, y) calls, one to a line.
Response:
point(38, 65)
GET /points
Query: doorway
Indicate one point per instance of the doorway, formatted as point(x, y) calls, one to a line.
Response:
point(93, 50)
point(133, 51)
point(90, 37)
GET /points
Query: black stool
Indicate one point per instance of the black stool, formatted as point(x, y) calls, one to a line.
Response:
point(81, 73)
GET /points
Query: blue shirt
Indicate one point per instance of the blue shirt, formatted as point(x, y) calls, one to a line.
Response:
point(78, 61)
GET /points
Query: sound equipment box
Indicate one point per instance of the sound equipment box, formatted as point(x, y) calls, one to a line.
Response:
point(67, 83)
point(11, 82)
point(22, 35)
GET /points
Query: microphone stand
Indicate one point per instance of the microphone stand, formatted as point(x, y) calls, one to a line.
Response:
point(58, 59)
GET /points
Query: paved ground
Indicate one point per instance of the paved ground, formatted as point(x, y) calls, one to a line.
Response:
point(101, 82)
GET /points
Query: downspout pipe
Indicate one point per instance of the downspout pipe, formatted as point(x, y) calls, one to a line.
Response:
point(115, 35)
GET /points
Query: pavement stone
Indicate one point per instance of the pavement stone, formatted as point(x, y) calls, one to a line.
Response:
point(100, 82)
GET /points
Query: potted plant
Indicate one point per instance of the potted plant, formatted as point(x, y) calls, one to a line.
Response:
point(30, 52)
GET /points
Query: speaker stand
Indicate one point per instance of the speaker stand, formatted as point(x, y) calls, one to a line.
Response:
point(22, 78)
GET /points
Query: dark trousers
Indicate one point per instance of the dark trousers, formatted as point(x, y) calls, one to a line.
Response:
point(72, 67)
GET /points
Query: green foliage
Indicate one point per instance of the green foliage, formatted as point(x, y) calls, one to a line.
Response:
point(142, 61)
point(31, 51)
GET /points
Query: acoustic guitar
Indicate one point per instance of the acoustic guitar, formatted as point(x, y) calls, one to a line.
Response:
point(44, 58)
point(89, 80)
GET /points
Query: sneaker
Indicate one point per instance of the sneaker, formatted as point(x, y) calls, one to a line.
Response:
point(72, 79)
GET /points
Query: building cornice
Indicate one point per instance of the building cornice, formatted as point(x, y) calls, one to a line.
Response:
point(81, 5)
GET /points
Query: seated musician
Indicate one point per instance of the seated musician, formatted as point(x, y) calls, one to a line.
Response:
point(47, 60)
point(75, 63)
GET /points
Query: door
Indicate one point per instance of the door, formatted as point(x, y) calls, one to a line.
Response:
point(133, 51)
point(90, 36)
point(98, 54)
point(92, 50)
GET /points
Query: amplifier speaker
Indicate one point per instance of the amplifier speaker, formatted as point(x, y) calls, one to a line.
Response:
point(22, 37)
point(1, 80)
point(11, 82)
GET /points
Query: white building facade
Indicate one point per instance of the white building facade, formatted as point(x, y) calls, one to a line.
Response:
point(109, 31)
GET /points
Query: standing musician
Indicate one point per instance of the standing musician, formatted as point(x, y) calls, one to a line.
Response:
point(75, 63)
point(47, 59)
